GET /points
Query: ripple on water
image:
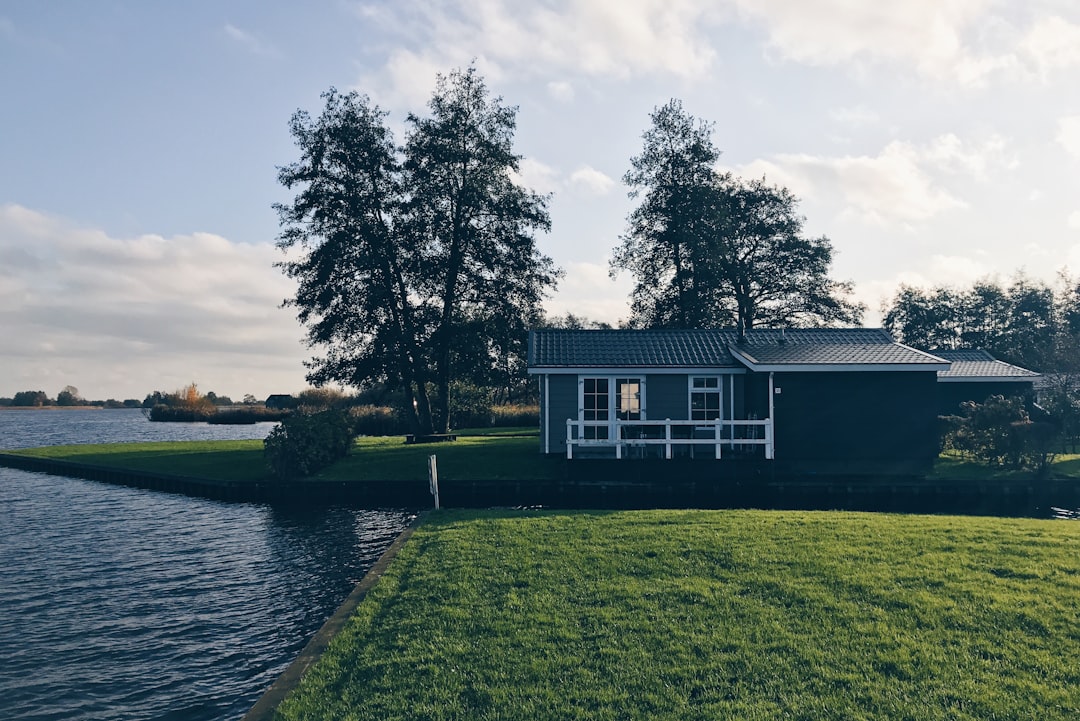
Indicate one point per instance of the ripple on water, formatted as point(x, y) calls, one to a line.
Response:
point(121, 603)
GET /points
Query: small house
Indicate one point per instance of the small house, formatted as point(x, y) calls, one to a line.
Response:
point(833, 400)
point(975, 375)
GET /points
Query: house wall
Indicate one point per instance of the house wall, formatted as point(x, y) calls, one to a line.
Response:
point(666, 397)
point(880, 417)
point(562, 403)
point(951, 395)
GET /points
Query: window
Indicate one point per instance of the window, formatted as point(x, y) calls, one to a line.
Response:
point(595, 399)
point(628, 399)
point(704, 398)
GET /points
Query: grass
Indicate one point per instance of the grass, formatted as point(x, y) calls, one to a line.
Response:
point(488, 454)
point(954, 466)
point(477, 454)
point(712, 615)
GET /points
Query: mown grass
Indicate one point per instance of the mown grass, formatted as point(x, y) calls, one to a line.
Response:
point(712, 615)
point(954, 466)
point(495, 454)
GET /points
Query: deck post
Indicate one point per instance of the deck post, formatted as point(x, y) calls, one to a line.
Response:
point(667, 438)
point(569, 441)
point(718, 436)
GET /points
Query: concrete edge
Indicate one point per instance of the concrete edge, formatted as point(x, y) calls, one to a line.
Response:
point(264, 708)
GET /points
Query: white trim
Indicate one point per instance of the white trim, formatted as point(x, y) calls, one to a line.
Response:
point(624, 371)
point(770, 448)
point(987, 379)
point(547, 414)
point(690, 390)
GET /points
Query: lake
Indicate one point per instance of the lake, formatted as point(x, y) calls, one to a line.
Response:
point(122, 603)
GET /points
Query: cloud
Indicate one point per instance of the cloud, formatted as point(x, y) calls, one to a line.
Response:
point(537, 176)
point(561, 90)
point(1074, 220)
point(591, 180)
point(250, 42)
point(857, 116)
point(1068, 135)
point(119, 317)
point(589, 292)
point(611, 38)
point(901, 185)
point(1052, 43)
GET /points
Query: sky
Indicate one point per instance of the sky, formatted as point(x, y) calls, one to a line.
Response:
point(932, 141)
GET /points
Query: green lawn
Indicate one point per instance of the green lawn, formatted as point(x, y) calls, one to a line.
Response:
point(712, 615)
point(498, 454)
point(488, 454)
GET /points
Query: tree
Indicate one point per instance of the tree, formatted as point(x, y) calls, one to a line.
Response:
point(404, 250)
point(30, 399)
point(69, 397)
point(709, 249)
point(668, 236)
point(766, 272)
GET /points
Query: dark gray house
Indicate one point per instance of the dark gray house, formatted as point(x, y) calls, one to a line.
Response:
point(975, 375)
point(814, 400)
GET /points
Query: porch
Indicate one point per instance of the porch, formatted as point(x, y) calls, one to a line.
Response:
point(668, 439)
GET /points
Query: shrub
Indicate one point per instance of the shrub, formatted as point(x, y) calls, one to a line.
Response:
point(303, 444)
point(1000, 432)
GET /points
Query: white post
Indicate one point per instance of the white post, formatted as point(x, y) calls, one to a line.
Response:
point(772, 414)
point(545, 415)
point(433, 478)
point(569, 441)
point(768, 441)
point(667, 437)
point(718, 436)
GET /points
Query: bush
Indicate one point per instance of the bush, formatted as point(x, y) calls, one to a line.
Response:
point(303, 444)
point(1000, 432)
point(183, 414)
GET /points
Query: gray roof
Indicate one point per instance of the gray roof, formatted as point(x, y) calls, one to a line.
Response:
point(971, 364)
point(760, 349)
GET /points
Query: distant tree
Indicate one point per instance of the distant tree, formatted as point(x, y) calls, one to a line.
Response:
point(5, 402)
point(570, 321)
point(249, 400)
point(710, 250)
point(69, 397)
point(404, 249)
point(1024, 323)
point(31, 399)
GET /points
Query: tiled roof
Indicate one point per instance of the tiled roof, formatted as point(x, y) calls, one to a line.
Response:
point(970, 364)
point(552, 348)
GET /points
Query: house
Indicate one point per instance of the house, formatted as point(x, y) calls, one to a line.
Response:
point(975, 375)
point(832, 400)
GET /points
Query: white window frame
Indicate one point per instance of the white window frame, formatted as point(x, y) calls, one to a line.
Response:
point(718, 389)
point(613, 397)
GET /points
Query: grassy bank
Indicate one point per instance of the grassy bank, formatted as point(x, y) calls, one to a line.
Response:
point(498, 454)
point(488, 454)
point(712, 615)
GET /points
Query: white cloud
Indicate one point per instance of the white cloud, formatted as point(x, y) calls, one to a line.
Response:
point(614, 38)
point(249, 41)
point(591, 180)
point(901, 185)
point(1052, 43)
point(1069, 134)
point(588, 291)
point(561, 90)
point(537, 176)
point(119, 317)
point(857, 116)
point(1074, 220)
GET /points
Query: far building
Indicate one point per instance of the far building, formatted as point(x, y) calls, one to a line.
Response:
point(975, 375)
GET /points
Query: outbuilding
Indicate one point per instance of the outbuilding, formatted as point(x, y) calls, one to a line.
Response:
point(832, 400)
point(975, 375)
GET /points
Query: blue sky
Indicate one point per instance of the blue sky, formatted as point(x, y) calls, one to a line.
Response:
point(933, 141)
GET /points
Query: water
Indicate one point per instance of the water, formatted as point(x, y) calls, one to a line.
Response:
point(122, 603)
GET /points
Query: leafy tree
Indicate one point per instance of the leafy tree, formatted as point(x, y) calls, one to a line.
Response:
point(407, 252)
point(666, 244)
point(69, 397)
point(709, 250)
point(31, 399)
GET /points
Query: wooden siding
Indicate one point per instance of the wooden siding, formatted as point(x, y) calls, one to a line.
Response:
point(666, 397)
point(856, 416)
point(563, 402)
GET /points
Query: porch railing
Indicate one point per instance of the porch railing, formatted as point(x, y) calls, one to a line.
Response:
point(629, 435)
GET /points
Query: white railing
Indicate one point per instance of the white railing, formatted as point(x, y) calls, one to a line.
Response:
point(631, 435)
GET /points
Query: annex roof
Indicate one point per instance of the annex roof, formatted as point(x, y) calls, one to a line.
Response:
point(971, 365)
point(792, 349)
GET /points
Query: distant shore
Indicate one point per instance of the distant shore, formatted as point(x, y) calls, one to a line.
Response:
point(61, 408)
